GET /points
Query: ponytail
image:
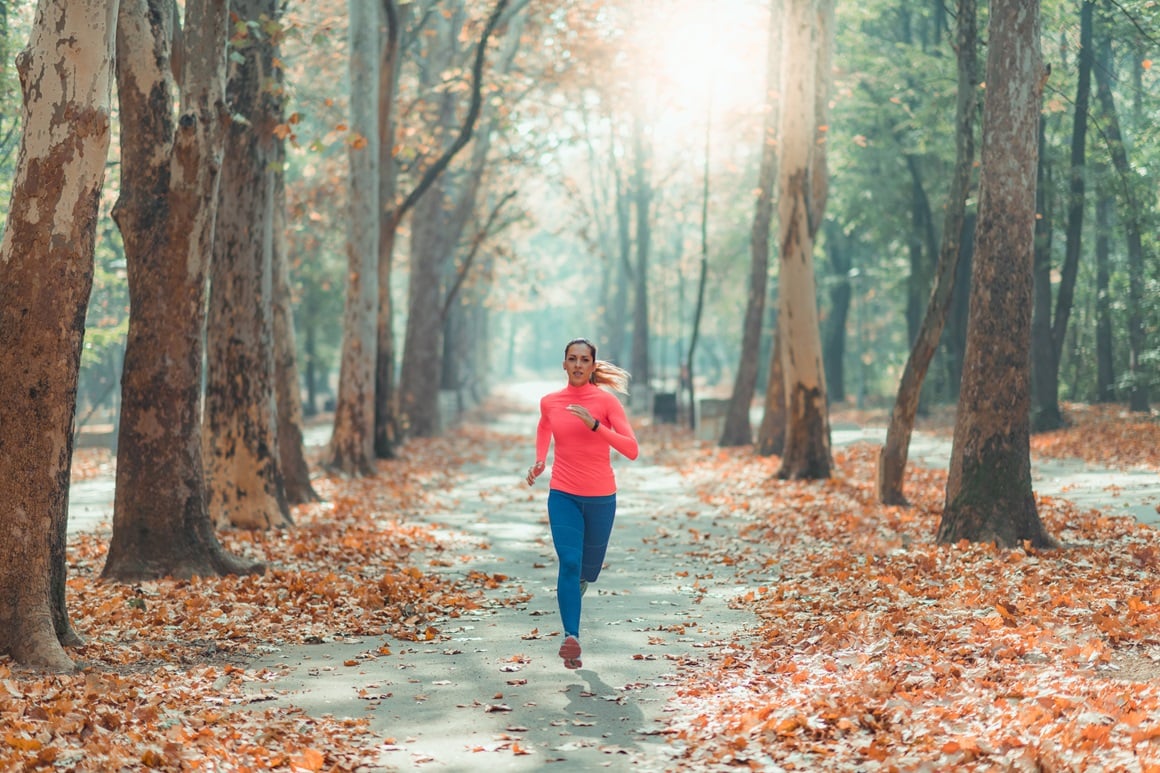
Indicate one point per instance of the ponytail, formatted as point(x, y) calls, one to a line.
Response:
point(607, 374)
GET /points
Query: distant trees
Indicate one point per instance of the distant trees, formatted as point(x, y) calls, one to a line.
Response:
point(442, 211)
point(892, 456)
point(738, 428)
point(1053, 304)
point(1134, 213)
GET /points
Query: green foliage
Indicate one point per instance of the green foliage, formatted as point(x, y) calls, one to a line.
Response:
point(14, 29)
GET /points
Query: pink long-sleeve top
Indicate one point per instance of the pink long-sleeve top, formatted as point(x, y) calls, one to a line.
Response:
point(582, 464)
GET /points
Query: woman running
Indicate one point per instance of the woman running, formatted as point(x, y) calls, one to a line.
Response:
point(585, 421)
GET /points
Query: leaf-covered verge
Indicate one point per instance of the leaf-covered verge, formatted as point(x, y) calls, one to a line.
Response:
point(876, 649)
point(161, 673)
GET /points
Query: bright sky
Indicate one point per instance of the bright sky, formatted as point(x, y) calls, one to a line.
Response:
point(685, 48)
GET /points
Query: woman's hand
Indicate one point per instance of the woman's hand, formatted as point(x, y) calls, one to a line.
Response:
point(580, 412)
point(534, 472)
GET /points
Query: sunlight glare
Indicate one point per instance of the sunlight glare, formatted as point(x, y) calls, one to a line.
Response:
point(692, 51)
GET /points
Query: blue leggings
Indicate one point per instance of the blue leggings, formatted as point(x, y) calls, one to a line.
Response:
point(580, 530)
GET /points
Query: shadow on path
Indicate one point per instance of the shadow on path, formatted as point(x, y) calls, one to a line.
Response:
point(496, 695)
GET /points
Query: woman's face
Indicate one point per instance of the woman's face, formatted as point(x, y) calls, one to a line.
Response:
point(579, 364)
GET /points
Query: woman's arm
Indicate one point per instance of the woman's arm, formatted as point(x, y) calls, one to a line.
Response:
point(543, 440)
point(618, 431)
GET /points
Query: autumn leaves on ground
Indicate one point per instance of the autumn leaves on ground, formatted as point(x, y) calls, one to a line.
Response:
point(871, 647)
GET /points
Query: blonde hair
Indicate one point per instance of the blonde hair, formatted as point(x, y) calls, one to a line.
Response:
point(605, 373)
point(611, 375)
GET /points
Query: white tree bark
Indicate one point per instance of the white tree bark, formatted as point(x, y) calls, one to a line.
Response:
point(807, 442)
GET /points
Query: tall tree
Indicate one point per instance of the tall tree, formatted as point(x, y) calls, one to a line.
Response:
point(738, 429)
point(842, 278)
point(641, 198)
point(439, 219)
point(1048, 329)
point(352, 450)
point(288, 394)
point(46, 271)
point(893, 454)
point(386, 429)
point(243, 466)
point(702, 280)
point(807, 35)
point(623, 274)
point(169, 179)
point(386, 409)
point(1105, 369)
point(988, 493)
point(771, 433)
point(1133, 218)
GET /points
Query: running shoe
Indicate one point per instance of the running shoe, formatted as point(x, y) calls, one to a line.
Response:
point(570, 652)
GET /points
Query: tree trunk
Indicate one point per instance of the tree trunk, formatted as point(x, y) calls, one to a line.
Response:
point(618, 314)
point(988, 494)
point(1133, 228)
point(352, 450)
point(699, 308)
point(288, 394)
point(834, 329)
point(243, 476)
point(893, 455)
point(771, 434)
point(1046, 414)
point(1042, 350)
point(439, 222)
point(46, 271)
point(1105, 369)
point(169, 175)
point(386, 429)
point(642, 195)
point(738, 429)
point(1075, 202)
point(955, 337)
point(423, 340)
point(418, 407)
point(918, 281)
point(807, 439)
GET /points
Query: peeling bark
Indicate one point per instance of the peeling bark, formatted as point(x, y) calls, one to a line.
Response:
point(800, 202)
point(46, 270)
point(169, 168)
point(242, 460)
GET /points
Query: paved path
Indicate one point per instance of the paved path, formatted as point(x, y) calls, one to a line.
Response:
point(1115, 492)
point(496, 696)
point(1134, 492)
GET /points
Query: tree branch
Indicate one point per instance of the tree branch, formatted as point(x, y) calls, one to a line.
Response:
point(432, 172)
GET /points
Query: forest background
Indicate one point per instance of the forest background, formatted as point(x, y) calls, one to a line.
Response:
point(485, 173)
point(270, 211)
point(586, 91)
